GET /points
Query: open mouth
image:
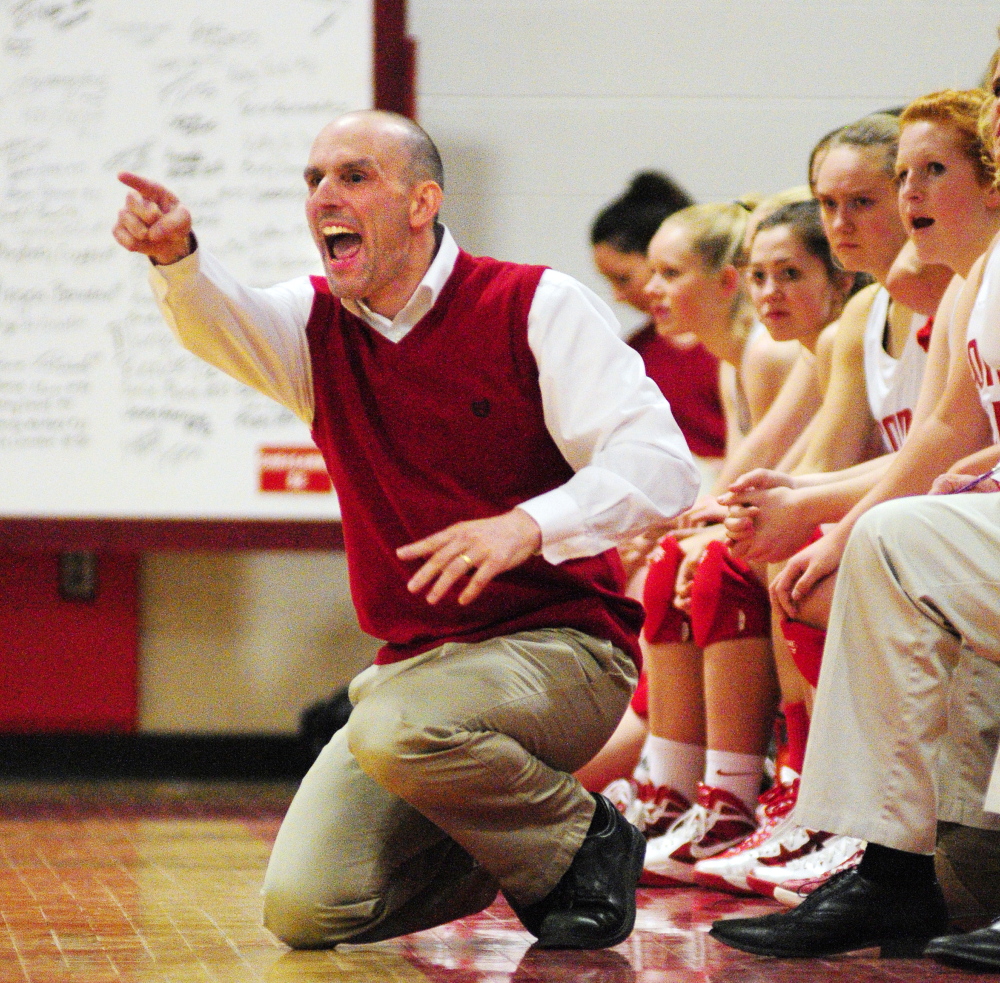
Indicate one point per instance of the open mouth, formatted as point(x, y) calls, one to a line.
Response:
point(922, 222)
point(341, 242)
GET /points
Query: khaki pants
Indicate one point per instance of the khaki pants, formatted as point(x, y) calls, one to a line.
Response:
point(918, 591)
point(451, 781)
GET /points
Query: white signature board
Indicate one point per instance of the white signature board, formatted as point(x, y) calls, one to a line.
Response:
point(102, 414)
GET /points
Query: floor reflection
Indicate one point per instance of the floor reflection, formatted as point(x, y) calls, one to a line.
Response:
point(140, 883)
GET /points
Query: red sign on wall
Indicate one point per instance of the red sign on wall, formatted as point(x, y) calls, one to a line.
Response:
point(293, 469)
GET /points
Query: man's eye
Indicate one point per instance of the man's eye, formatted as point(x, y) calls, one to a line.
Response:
point(935, 168)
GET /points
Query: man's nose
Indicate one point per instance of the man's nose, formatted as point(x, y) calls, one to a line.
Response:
point(326, 192)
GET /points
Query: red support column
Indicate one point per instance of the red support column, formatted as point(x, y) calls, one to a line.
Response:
point(395, 61)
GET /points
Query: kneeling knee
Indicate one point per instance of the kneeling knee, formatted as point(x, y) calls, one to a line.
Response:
point(305, 923)
point(293, 920)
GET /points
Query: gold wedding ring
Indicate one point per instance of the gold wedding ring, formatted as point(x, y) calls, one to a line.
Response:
point(468, 560)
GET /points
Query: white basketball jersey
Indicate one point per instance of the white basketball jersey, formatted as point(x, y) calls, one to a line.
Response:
point(987, 377)
point(893, 385)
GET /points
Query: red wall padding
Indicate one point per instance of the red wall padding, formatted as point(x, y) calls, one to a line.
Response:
point(68, 665)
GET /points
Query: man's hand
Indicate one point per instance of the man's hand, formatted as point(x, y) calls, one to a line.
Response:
point(483, 548)
point(806, 569)
point(948, 484)
point(153, 221)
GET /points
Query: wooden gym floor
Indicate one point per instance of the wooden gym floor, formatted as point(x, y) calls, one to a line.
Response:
point(159, 883)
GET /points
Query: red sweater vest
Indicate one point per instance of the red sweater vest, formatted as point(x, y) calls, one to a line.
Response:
point(443, 426)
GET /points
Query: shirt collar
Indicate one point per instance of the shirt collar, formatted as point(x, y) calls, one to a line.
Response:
point(422, 299)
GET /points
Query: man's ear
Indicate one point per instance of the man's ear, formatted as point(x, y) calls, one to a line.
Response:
point(425, 203)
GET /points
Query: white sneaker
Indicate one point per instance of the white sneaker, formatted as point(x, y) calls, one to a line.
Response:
point(795, 877)
point(717, 821)
point(793, 893)
point(777, 837)
point(651, 809)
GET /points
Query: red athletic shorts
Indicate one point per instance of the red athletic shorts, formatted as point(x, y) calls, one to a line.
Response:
point(664, 623)
point(640, 698)
point(727, 600)
point(805, 643)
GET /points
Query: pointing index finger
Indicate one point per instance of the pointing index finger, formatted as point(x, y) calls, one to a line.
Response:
point(150, 190)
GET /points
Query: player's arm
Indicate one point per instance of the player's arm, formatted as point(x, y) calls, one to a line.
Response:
point(782, 424)
point(956, 427)
point(844, 422)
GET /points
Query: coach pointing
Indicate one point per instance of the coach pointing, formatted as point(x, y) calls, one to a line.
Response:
point(490, 440)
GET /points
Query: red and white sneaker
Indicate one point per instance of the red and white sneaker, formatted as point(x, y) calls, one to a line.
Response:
point(801, 876)
point(623, 794)
point(651, 809)
point(661, 808)
point(717, 821)
point(793, 893)
point(777, 837)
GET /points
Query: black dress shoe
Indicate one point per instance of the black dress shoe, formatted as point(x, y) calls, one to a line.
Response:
point(848, 912)
point(974, 950)
point(593, 905)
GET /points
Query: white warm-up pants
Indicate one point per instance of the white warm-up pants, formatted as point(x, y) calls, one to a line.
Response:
point(917, 593)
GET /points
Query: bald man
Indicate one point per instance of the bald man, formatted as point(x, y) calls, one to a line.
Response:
point(491, 440)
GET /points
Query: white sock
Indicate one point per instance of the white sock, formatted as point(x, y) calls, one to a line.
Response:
point(674, 765)
point(739, 774)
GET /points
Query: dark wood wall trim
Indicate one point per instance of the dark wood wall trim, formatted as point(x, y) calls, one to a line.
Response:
point(395, 63)
point(32, 535)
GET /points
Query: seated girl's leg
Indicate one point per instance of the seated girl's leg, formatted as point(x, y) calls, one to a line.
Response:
point(618, 758)
point(730, 615)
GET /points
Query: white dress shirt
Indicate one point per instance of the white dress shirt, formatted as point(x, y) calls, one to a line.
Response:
point(610, 421)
